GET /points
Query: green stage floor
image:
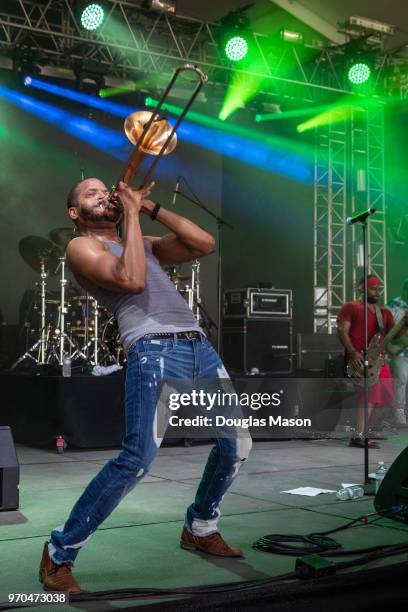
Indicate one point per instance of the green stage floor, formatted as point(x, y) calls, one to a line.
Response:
point(138, 545)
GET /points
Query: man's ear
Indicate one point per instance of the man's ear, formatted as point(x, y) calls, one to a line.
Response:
point(73, 213)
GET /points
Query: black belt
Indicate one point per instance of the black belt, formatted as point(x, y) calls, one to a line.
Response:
point(187, 335)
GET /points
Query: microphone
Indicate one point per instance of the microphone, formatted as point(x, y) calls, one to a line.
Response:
point(175, 192)
point(360, 216)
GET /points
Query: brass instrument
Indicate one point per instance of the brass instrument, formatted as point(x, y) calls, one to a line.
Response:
point(151, 134)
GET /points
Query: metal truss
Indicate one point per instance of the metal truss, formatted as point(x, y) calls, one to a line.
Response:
point(330, 207)
point(134, 40)
point(349, 176)
point(367, 159)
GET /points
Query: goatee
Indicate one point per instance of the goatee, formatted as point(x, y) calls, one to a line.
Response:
point(109, 214)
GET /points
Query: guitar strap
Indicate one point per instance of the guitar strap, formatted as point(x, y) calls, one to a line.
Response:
point(380, 320)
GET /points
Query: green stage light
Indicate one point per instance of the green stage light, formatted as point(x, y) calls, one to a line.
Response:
point(92, 16)
point(236, 48)
point(359, 73)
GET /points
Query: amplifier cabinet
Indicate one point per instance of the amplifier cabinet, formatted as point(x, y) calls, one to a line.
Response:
point(258, 303)
point(264, 344)
point(314, 350)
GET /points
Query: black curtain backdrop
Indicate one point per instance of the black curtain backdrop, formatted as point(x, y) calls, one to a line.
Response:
point(273, 236)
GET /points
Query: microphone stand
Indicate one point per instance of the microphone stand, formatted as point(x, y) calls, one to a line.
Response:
point(368, 486)
point(220, 223)
point(365, 354)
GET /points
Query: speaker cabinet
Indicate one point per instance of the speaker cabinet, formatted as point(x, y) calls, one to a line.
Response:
point(393, 491)
point(9, 471)
point(264, 344)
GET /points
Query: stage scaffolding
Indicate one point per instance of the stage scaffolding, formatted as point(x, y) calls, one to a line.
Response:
point(349, 176)
point(349, 154)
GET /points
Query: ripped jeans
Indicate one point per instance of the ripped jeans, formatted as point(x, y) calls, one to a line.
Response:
point(151, 360)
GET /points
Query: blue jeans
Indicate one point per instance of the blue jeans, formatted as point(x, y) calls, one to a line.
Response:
point(399, 365)
point(149, 362)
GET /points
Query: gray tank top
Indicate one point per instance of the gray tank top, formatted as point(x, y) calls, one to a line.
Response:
point(159, 308)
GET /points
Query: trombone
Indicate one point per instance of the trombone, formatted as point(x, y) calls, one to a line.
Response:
point(151, 134)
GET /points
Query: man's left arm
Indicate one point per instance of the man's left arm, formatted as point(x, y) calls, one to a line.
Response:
point(391, 322)
point(186, 242)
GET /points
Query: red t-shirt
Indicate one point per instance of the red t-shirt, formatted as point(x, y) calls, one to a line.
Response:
point(353, 312)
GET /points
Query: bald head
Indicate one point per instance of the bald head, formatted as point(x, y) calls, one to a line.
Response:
point(72, 198)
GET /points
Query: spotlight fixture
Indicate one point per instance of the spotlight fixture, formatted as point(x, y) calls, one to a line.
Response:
point(163, 6)
point(235, 36)
point(91, 15)
point(89, 76)
point(236, 48)
point(291, 36)
point(372, 24)
point(359, 73)
point(25, 62)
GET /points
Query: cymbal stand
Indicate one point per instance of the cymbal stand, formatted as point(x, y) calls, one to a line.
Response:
point(101, 353)
point(60, 337)
point(95, 339)
point(40, 347)
point(43, 313)
point(195, 285)
point(62, 310)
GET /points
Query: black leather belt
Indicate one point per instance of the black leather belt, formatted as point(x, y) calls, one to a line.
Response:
point(187, 335)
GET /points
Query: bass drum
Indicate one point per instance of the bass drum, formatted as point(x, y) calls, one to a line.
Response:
point(110, 339)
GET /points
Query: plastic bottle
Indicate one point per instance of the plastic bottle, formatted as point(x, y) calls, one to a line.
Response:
point(379, 474)
point(353, 492)
point(66, 366)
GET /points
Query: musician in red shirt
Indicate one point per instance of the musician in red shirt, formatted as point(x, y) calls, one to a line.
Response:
point(350, 323)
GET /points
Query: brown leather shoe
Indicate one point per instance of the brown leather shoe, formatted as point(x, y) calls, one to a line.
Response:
point(212, 544)
point(57, 577)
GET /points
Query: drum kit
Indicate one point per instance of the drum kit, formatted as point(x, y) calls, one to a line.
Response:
point(71, 323)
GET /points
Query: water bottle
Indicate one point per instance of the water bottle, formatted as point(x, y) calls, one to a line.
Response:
point(379, 475)
point(353, 492)
point(66, 366)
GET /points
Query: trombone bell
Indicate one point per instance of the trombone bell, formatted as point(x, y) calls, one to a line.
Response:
point(156, 135)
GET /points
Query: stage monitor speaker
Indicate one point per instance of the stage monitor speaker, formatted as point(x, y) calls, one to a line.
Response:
point(393, 490)
point(264, 345)
point(9, 471)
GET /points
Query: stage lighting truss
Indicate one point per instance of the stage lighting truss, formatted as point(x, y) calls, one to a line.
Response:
point(151, 42)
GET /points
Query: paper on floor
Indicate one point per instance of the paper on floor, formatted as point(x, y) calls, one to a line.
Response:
point(308, 491)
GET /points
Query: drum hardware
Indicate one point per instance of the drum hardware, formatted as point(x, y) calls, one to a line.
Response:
point(61, 236)
point(41, 255)
point(94, 350)
point(195, 284)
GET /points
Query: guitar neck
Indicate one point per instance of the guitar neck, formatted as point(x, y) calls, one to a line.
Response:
point(391, 334)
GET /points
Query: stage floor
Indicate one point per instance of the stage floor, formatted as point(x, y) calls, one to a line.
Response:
point(138, 545)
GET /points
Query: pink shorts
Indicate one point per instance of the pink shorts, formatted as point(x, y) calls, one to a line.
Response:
point(382, 393)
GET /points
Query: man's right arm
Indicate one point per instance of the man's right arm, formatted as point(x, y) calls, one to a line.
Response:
point(343, 332)
point(90, 259)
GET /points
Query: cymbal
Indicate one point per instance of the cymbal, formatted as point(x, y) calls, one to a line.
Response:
point(34, 249)
point(61, 236)
point(178, 278)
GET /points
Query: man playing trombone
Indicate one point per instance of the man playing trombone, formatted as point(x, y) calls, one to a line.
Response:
point(162, 339)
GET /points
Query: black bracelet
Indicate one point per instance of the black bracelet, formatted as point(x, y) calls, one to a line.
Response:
point(154, 212)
